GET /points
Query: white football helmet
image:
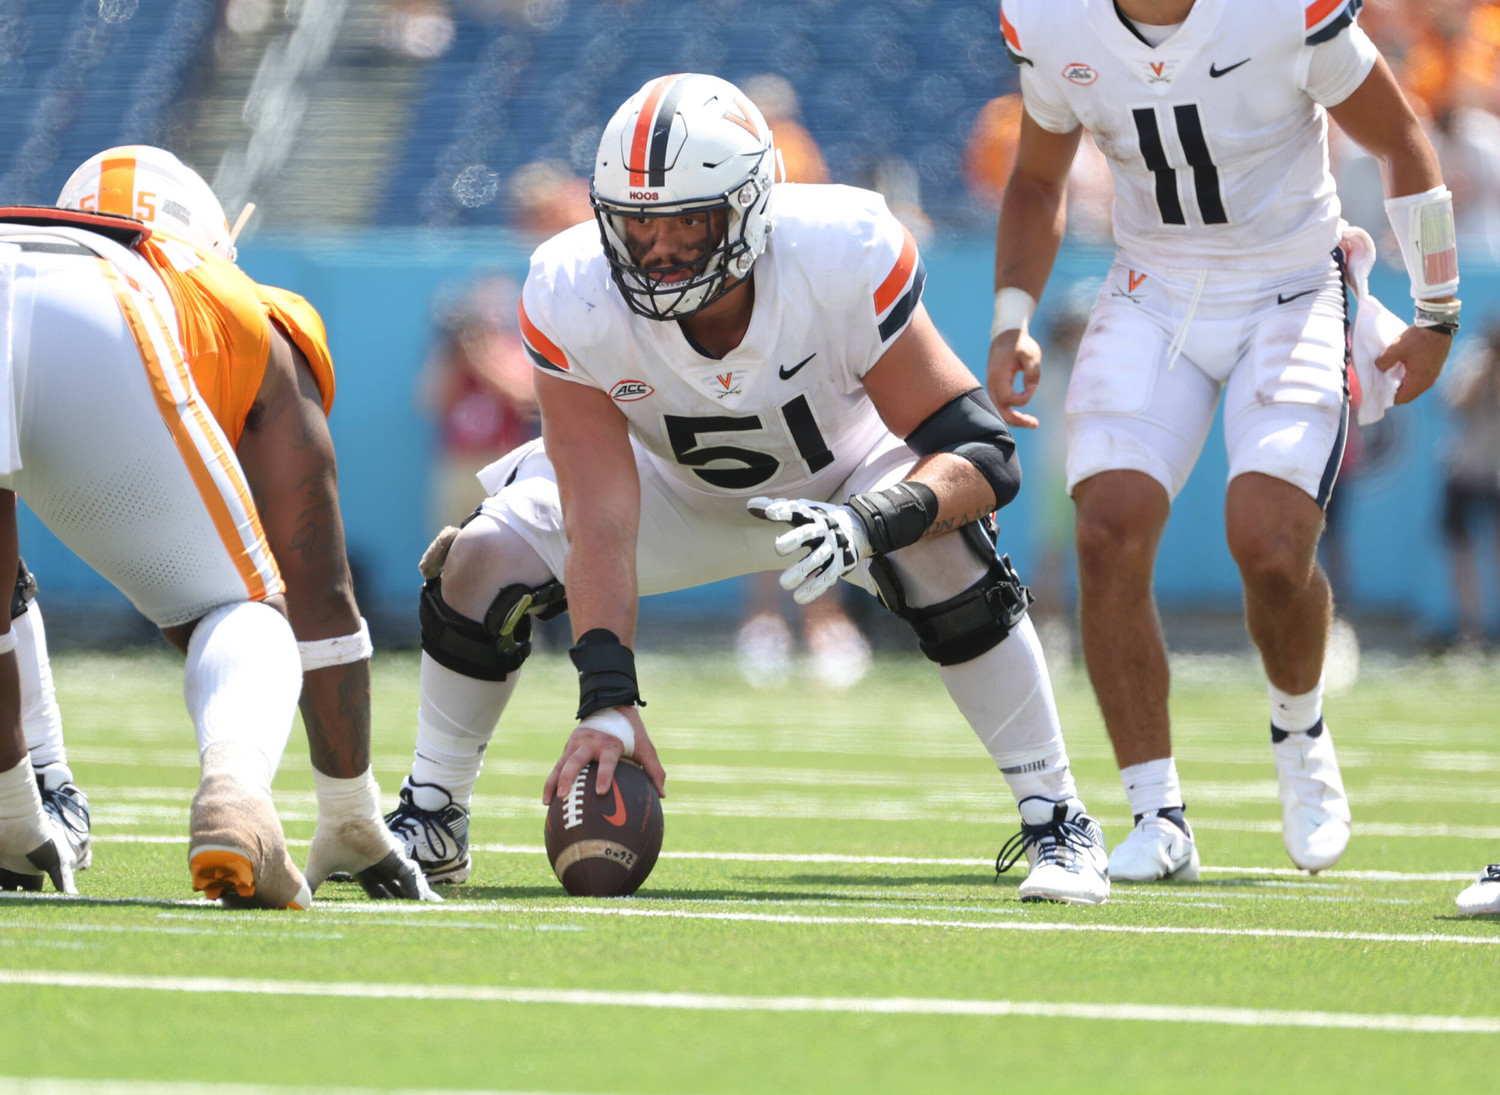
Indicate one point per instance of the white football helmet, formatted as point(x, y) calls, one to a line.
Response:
point(684, 144)
point(151, 185)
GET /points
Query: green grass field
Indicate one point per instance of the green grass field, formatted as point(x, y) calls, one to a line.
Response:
point(824, 917)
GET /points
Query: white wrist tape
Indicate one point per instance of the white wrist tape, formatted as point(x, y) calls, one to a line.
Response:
point(322, 653)
point(613, 721)
point(1423, 224)
point(1013, 311)
point(8, 641)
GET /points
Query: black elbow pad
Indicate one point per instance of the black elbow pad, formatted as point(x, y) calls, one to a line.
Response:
point(968, 425)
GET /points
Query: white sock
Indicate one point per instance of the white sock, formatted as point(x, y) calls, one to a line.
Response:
point(1295, 714)
point(356, 799)
point(41, 721)
point(241, 684)
point(1152, 785)
point(456, 719)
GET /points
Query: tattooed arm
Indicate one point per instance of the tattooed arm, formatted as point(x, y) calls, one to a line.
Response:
point(288, 458)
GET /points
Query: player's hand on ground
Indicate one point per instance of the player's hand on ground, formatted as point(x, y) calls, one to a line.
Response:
point(834, 537)
point(1423, 352)
point(588, 744)
point(1014, 354)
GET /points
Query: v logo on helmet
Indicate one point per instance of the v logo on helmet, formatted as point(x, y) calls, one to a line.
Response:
point(741, 117)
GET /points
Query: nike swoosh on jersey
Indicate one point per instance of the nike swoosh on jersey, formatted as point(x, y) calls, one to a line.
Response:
point(787, 374)
point(617, 818)
point(1280, 299)
point(1216, 72)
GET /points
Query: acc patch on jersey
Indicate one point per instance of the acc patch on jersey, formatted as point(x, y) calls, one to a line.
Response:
point(605, 845)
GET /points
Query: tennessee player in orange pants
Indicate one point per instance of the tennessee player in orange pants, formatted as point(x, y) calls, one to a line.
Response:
point(256, 385)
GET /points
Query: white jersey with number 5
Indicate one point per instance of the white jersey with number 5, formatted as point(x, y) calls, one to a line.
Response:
point(1217, 137)
point(785, 412)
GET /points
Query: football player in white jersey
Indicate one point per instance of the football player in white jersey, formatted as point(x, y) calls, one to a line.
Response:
point(718, 352)
point(1213, 116)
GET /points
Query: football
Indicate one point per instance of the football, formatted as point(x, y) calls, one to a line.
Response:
point(605, 845)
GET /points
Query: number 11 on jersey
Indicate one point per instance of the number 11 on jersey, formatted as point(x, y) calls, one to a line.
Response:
point(1205, 175)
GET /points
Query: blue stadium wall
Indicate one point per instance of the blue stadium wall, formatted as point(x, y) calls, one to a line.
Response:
point(375, 292)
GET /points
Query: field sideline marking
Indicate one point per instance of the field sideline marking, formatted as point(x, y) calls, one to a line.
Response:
point(693, 1001)
point(884, 860)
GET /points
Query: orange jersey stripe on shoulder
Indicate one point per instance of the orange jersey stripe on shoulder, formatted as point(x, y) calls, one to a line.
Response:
point(540, 342)
point(223, 325)
point(900, 274)
point(1319, 10)
point(1010, 32)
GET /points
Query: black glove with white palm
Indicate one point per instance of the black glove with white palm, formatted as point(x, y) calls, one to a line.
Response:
point(838, 537)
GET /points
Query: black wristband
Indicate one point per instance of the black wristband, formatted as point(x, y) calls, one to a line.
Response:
point(606, 672)
point(897, 516)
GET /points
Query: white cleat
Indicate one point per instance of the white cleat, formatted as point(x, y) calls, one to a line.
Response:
point(1065, 848)
point(1159, 848)
point(1314, 808)
point(67, 805)
point(433, 831)
point(1483, 896)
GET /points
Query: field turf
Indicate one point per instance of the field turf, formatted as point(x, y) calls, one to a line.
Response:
point(824, 918)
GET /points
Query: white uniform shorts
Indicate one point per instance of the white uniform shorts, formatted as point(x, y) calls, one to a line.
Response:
point(1162, 343)
point(687, 537)
point(120, 457)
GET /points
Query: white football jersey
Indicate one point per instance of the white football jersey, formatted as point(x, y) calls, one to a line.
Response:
point(785, 412)
point(1217, 137)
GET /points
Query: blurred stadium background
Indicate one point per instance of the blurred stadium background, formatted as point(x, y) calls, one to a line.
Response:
point(403, 152)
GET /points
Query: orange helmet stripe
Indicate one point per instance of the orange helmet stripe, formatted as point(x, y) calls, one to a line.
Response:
point(641, 139)
point(117, 186)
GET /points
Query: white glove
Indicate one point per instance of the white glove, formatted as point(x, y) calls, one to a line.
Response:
point(834, 536)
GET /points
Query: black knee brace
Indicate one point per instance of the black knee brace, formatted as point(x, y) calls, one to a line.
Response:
point(25, 591)
point(970, 623)
point(496, 647)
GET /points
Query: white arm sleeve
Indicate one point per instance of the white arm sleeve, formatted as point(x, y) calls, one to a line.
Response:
point(1337, 67)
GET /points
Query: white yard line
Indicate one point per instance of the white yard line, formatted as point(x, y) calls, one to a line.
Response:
point(17, 1085)
point(871, 860)
point(655, 909)
point(693, 1001)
